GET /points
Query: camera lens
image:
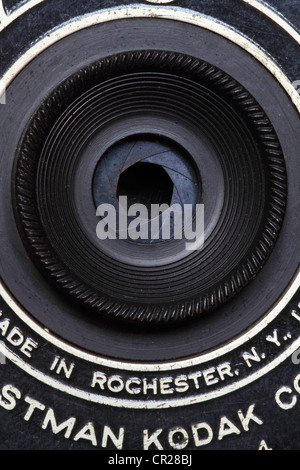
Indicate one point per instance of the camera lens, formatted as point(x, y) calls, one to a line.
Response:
point(149, 192)
point(63, 161)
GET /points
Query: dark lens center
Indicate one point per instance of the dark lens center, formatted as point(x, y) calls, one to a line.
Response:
point(145, 183)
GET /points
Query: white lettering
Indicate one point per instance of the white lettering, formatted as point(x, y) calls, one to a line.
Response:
point(153, 439)
point(60, 365)
point(15, 337)
point(285, 405)
point(9, 396)
point(115, 384)
point(33, 405)
point(206, 440)
point(68, 424)
point(251, 356)
point(209, 377)
point(226, 428)
point(182, 443)
point(133, 390)
point(117, 441)
point(87, 433)
point(99, 379)
point(250, 416)
point(273, 338)
point(165, 386)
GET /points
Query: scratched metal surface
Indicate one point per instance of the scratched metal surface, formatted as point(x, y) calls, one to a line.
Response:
point(271, 403)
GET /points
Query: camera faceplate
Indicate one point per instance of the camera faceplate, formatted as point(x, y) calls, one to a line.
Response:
point(87, 365)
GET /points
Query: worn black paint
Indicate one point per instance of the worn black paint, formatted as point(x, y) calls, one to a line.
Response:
point(281, 428)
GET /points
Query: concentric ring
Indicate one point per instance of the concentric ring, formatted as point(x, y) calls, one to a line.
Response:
point(215, 105)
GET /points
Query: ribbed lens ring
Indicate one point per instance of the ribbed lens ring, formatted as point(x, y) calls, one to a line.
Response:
point(204, 99)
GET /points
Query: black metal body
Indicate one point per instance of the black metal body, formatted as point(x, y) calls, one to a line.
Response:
point(247, 396)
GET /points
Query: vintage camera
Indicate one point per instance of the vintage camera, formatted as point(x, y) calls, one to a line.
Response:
point(120, 328)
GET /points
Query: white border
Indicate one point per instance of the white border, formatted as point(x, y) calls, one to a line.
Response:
point(191, 17)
